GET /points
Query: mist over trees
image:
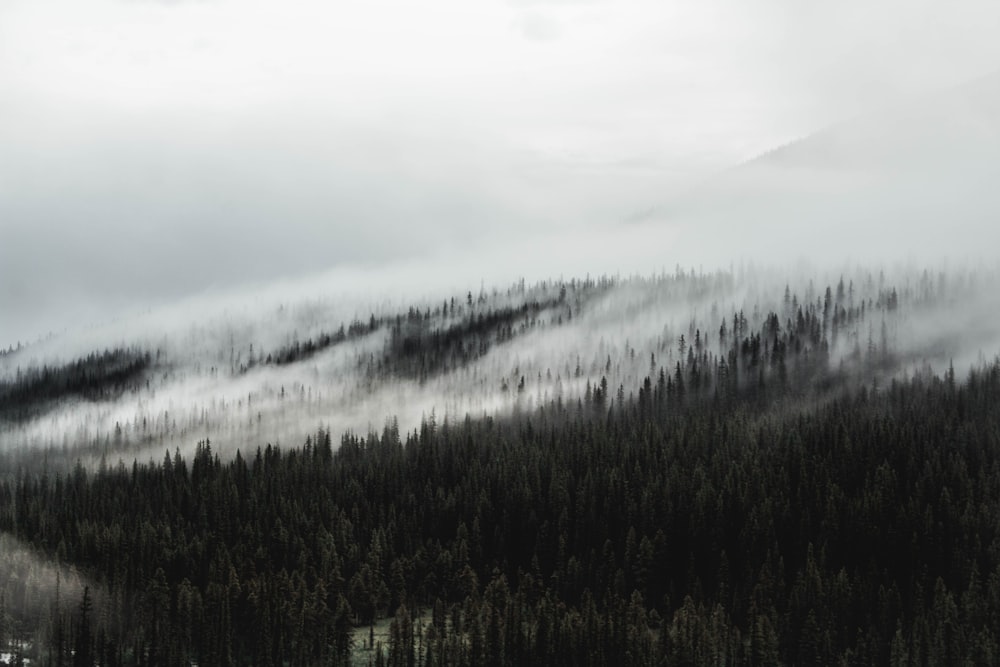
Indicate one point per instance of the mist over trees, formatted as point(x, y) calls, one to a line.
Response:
point(275, 376)
point(678, 469)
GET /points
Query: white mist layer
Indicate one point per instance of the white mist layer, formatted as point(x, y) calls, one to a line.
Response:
point(618, 330)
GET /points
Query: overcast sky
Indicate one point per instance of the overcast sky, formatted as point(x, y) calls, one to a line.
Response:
point(151, 150)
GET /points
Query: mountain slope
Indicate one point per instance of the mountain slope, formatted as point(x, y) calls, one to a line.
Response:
point(916, 178)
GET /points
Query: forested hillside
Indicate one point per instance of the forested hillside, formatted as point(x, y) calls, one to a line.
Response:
point(802, 483)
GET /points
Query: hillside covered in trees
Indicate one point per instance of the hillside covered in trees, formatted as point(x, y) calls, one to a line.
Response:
point(677, 470)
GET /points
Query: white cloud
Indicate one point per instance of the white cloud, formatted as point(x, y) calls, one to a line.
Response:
point(150, 149)
point(538, 27)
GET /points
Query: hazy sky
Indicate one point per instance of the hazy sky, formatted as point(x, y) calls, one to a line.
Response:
point(155, 149)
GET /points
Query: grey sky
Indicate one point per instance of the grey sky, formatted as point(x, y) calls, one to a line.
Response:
point(150, 150)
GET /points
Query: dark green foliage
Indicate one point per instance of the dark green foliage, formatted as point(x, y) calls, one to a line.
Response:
point(298, 351)
point(428, 341)
point(419, 346)
point(98, 376)
point(860, 531)
point(746, 503)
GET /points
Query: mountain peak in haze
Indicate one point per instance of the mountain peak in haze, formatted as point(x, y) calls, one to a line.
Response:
point(916, 178)
point(957, 122)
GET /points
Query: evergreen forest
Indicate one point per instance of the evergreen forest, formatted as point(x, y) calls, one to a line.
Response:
point(675, 477)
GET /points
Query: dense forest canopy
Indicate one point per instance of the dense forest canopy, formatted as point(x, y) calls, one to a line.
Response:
point(679, 469)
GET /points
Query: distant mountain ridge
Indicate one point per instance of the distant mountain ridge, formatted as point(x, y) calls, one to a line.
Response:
point(916, 178)
point(965, 113)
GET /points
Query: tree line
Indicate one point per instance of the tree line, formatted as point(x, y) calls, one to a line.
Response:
point(862, 531)
point(765, 492)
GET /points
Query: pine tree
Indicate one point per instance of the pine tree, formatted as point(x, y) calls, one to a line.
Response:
point(83, 645)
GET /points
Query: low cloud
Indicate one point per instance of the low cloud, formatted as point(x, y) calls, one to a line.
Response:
point(538, 27)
